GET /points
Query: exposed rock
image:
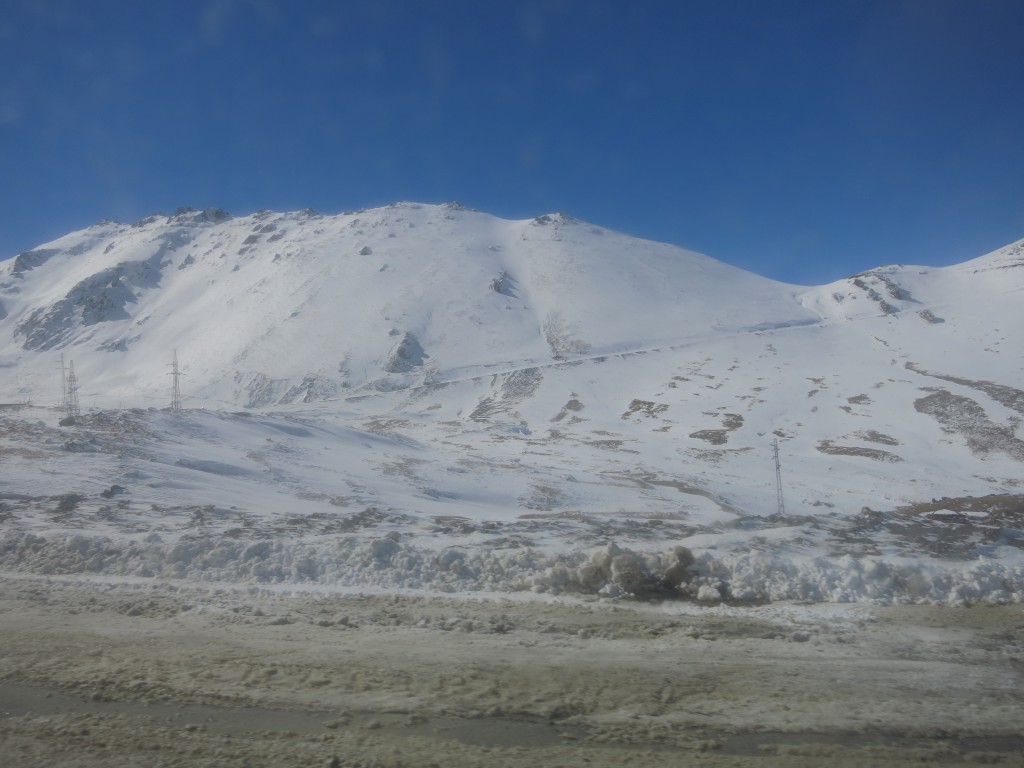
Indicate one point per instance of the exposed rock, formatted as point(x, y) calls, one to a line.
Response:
point(99, 298)
point(504, 284)
point(31, 259)
point(406, 355)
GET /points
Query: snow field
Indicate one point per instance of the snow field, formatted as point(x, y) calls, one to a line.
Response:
point(430, 398)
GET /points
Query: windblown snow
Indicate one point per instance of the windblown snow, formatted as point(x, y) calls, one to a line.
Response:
point(431, 398)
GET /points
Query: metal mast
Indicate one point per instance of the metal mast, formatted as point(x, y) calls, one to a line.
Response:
point(780, 504)
point(63, 385)
point(175, 389)
point(71, 396)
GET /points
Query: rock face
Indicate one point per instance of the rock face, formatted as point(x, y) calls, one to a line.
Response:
point(31, 259)
point(504, 284)
point(100, 298)
point(406, 355)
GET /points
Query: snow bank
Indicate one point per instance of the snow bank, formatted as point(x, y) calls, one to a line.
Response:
point(391, 563)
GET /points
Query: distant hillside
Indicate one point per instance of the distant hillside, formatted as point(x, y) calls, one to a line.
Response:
point(274, 308)
point(427, 396)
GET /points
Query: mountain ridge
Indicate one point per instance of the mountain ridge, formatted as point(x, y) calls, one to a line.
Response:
point(530, 268)
point(540, 290)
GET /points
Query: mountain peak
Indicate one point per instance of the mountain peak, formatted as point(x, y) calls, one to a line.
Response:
point(290, 297)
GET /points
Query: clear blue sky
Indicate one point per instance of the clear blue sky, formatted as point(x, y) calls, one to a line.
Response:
point(804, 141)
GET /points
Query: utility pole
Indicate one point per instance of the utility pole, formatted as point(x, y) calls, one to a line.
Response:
point(175, 374)
point(71, 397)
point(779, 503)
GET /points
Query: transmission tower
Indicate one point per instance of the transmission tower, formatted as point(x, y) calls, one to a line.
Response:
point(780, 504)
point(63, 385)
point(71, 395)
point(175, 374)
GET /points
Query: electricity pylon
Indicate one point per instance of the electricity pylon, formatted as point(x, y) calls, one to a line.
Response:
point(175, 374)
point(71, 395)
point(63, 384)
point(779, 503)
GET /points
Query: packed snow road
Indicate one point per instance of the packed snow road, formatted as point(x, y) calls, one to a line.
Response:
point(100, 674)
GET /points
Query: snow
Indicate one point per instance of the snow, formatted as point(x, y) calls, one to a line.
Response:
point(97, 669)
point(431, 398)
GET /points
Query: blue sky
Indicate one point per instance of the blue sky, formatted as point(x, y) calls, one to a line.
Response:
point(804, 141)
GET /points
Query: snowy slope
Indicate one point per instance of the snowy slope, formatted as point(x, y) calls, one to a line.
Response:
point(430, 397)
point(272, 308)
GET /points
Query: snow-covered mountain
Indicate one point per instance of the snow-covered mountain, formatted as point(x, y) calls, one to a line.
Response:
point(459, 380)
point(277, 308)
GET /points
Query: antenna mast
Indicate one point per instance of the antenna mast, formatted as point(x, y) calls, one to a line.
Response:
point(780, 504)
point(71, 395)
point(175, 374)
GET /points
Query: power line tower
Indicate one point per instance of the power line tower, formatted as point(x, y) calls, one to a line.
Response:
point(63, 385)
point(779, 503)
point(175, 374)
point(71, 408)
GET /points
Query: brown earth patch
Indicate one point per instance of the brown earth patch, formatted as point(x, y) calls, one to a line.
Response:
point(963, 416)
point(826, 446)
point(877, 437)
point(645, 407)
